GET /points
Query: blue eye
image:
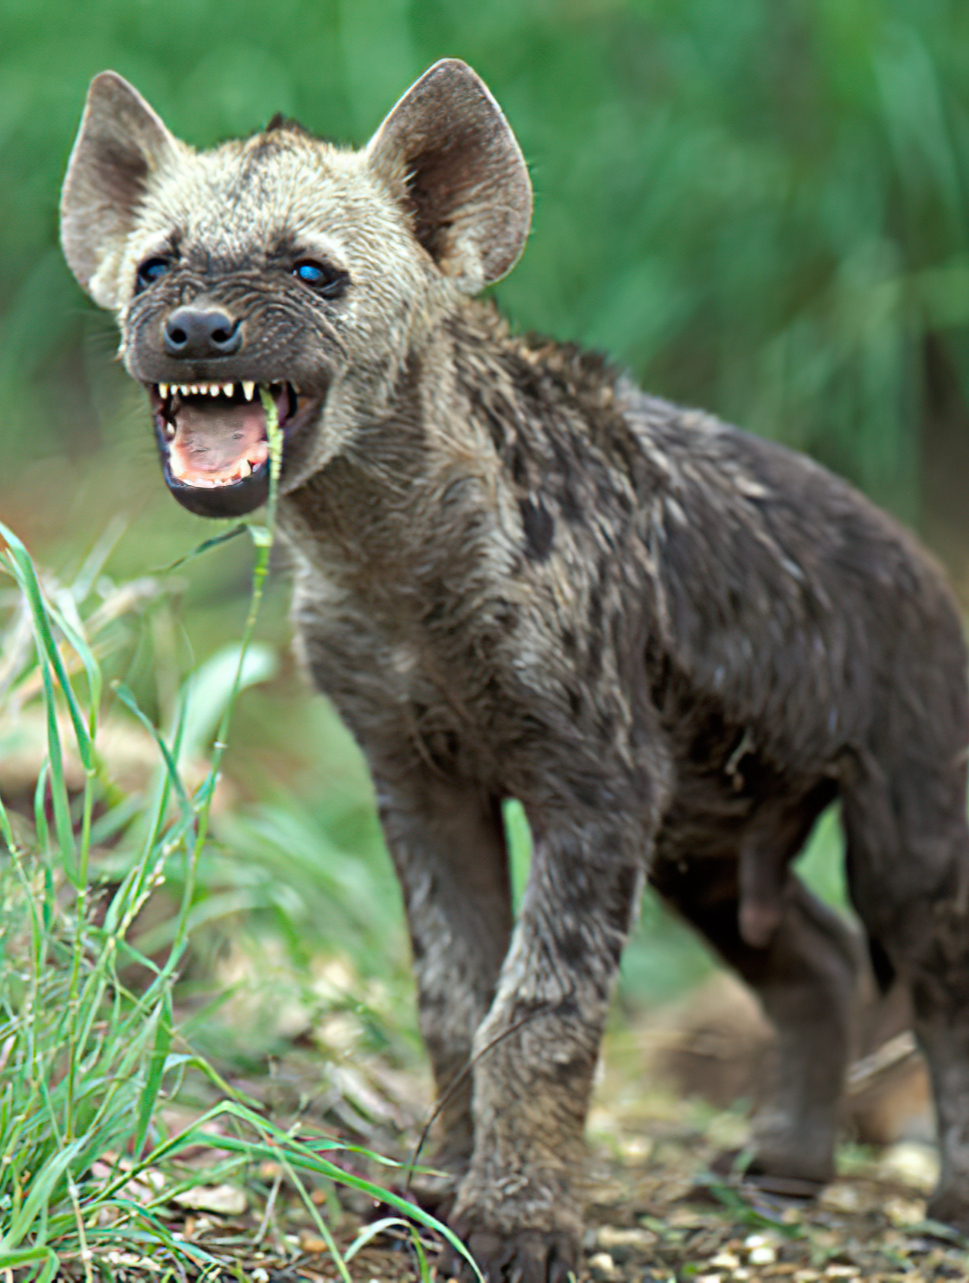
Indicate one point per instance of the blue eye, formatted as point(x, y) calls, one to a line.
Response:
point(151, 270)
point(324, 278)
point(311, 273)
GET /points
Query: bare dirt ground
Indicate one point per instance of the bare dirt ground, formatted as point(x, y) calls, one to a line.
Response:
point(655, 1211)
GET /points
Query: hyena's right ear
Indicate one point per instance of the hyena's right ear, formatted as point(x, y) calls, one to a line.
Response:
point(121, 142)
point(449, 157)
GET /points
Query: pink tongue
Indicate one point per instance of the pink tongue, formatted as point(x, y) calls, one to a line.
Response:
point(215, 438)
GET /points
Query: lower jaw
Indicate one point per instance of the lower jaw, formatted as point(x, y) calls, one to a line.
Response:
point(235, 500)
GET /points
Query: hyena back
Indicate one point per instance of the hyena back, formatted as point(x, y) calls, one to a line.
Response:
point(518, 576)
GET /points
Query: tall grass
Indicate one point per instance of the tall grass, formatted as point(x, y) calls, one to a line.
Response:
point(86, 1063)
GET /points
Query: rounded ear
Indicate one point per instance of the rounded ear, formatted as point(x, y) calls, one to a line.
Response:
point(449, 157)
point(121, 142)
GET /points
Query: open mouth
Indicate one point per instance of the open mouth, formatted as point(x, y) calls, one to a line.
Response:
point(213, 442)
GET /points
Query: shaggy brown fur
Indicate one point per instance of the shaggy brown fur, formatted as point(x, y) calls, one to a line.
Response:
point(519, 576)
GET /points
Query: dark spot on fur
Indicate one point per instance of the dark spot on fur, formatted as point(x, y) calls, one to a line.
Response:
point(595, 611)
point(568, 642)
point(586, 793)
point(539, 529)
point(572, 948)
point(569, 505)
point(568, 1008)
point(593, 663)
point(565, 1072)
point(621, 902)
point(507, 616)
point(575, 702)
point(439, 601)
point(619, 627)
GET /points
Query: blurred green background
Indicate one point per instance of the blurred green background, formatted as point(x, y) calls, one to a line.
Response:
point(759, 206)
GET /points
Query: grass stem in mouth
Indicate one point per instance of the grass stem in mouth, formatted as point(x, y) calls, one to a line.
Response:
point(262, 537)
point(275, 438)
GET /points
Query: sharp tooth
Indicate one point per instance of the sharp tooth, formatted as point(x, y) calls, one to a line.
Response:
point(228, 389)
point(194, 389)
point(163, 390)
point(245, 469)
point(214, 389)
point(249, 389)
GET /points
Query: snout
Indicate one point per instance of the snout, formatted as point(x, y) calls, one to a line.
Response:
point(205, 369)
point(197, 333)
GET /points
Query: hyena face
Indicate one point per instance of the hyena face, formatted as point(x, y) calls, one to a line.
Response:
point(285, 263)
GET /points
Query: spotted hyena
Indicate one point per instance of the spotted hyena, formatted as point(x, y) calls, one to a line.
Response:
point(519, 576)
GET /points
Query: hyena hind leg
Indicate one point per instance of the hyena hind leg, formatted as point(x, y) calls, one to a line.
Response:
point(807, 979)
point(909, 880)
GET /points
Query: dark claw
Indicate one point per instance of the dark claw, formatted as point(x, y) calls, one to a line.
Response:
point(528, 1256)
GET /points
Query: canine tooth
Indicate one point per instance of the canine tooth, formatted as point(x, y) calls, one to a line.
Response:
point(227, 389)
point(249, 389)
point(163, 390)
point(245, 469)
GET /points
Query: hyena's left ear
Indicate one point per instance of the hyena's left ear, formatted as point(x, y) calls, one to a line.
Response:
point(121, 142)
point(447, 153)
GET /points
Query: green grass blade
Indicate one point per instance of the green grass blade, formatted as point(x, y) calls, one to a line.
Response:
point(148, 1100)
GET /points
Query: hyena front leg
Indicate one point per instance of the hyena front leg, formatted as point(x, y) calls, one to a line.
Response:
point(448, 845)
point(517, 1208)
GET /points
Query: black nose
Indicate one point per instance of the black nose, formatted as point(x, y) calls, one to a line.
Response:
point(200, 332)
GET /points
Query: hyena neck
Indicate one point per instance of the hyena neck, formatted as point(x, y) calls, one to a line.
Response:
point(477, 420)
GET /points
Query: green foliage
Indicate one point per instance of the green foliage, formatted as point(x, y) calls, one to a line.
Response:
point(760, 206)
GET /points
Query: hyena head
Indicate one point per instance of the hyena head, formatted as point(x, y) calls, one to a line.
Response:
point(284, 262)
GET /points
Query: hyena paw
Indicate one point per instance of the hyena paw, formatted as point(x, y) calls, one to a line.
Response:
point(533, 1236)
point(951, 1206)
point(521, 1256)
point(773, 1174)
